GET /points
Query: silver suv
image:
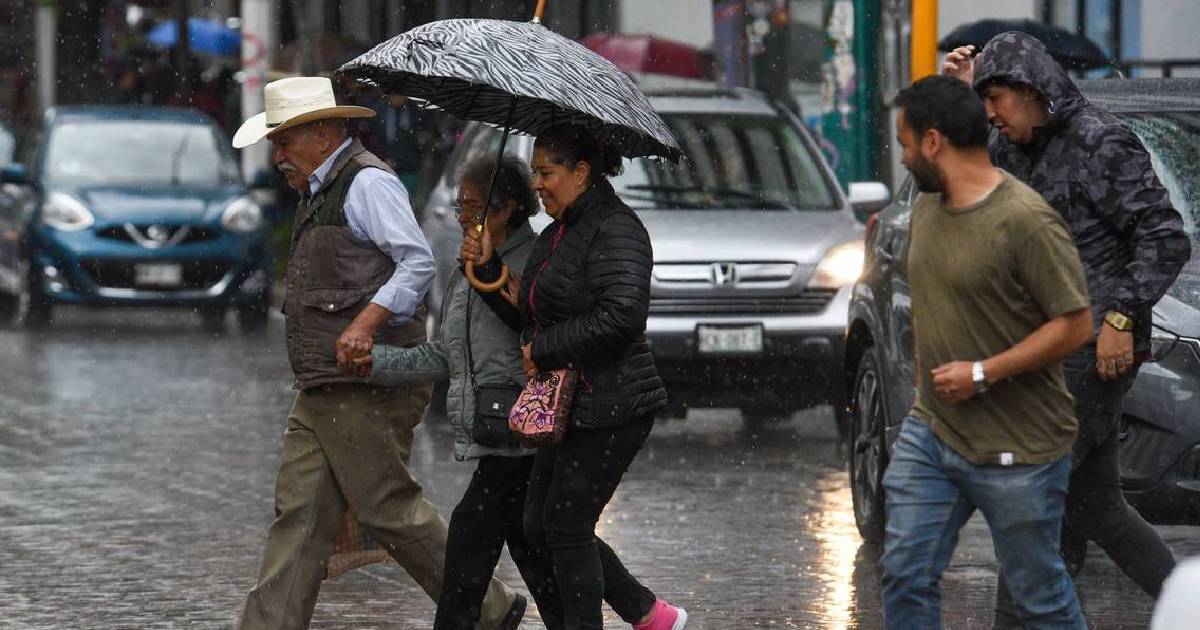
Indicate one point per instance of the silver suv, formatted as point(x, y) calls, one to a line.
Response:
point(755, 251)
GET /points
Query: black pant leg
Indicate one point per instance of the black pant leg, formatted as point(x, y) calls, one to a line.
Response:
point(476, 537)
point(587, 468)
point(1096, 506)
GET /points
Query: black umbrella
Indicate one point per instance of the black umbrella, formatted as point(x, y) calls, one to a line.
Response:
point(520, 76)
point(1070, 49)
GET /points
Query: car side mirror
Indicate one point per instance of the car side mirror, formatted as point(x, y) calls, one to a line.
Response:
point(867, 198)
point(263, 188)
point(264, 178)
point(14, 174)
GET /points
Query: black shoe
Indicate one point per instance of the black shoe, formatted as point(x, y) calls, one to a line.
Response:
point(513, 618)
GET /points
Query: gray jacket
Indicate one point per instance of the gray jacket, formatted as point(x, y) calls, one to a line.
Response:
point(495, 346)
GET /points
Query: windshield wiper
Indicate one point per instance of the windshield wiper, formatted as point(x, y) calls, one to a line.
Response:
point(778, 204)
point(676, 203)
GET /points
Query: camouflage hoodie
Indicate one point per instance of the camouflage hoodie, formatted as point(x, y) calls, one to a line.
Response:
point(1096, 173)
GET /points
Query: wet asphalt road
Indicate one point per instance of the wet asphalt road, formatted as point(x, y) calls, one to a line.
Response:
point(137, 463)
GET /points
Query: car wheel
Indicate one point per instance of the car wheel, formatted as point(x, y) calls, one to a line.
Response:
point(868, 454)
point(39, 309)
point(213, 318)
point(756, 419)
point(14, 308)
point(253, 316)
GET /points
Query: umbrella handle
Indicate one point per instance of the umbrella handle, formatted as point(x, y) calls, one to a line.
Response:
point(481, 286)
point(537, 12)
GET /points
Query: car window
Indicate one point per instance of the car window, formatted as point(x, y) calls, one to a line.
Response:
point(7, 146)
point(1173, 140)
point(137, 152)
point(478, 141)
point(730, 161)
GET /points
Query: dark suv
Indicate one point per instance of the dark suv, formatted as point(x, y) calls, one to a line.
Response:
point(1160, 453)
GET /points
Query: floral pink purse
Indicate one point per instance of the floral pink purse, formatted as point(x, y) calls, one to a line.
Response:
point(539, 417)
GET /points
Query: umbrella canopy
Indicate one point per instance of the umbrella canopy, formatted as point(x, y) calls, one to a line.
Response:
point(204, 36)
point(519, 75)
point(648, 53)
point(1070, 49)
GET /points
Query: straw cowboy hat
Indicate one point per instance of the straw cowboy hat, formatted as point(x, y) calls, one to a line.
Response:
point(295, 101)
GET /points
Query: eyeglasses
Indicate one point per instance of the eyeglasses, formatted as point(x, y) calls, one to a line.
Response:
point(471, 210)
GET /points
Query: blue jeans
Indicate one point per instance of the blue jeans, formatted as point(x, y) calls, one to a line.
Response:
point(931, 492)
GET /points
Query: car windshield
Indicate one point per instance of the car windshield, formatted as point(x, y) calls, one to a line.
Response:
point(1173, 140)
point(731, 161)
point(138, 152)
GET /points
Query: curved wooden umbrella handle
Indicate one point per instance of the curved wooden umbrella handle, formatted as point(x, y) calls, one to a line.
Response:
point(479, 285)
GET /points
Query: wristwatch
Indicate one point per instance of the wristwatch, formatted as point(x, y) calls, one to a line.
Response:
point(1120, 321)
point(978, 377)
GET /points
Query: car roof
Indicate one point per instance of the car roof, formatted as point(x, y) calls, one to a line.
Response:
point(77, 113)
point(1144, 95)
point(703, 100)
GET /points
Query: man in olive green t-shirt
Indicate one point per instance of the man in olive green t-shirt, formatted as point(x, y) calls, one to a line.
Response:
point(998, 299)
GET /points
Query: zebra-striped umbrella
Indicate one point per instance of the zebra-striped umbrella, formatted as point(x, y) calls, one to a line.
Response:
point(519, 75)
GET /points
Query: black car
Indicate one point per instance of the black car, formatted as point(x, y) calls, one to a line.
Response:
point(1160, 453)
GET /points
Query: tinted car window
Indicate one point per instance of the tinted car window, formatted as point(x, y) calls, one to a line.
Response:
point(1173, 140)
point(731, 161)
point(7, 146)
point(480, 141)
point(142, 152)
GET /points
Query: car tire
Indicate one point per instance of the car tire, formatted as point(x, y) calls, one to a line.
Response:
point(254, 315)
point(868, 450)
point(756, 419)
point(213, 318)
point(14, 308)
point(39, 310)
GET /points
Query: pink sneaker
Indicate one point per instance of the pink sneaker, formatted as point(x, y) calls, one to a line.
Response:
point(664, 617)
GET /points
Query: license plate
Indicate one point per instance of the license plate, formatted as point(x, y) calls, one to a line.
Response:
point(157, 275)
point(730, 339)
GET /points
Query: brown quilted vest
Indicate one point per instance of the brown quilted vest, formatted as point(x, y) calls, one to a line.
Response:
point(332, 276)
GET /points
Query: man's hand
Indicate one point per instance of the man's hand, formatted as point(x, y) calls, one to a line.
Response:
point(354, 342)
point(359, 337)
point(1114, 352)
point(953, 382)
point(960, 64)
point(476, 247)
point(531, 369)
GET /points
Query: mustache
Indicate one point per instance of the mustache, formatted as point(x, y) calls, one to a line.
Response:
point(287, 167)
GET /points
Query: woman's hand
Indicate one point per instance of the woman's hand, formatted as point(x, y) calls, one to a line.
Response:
point(511, 289)
point(476, 247)
point(531, 369)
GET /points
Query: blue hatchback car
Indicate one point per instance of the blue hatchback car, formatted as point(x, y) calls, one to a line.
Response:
point(144, 206)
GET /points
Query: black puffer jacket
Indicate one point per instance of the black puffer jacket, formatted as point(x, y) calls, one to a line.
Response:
point(1096, 173)
point(585, 296)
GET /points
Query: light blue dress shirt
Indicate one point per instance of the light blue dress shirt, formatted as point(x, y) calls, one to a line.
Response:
point(377, 210)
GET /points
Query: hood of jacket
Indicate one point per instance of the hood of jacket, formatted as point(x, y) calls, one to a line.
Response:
point(1016, 57)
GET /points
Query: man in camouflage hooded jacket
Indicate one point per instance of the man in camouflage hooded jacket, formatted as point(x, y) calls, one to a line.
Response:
point(1131, 240)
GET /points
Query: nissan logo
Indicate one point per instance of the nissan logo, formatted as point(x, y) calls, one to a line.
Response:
point(723, 273)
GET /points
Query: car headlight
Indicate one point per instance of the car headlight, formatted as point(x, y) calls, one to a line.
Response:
point(64, 212)
point(242, 216)
point(840, 266)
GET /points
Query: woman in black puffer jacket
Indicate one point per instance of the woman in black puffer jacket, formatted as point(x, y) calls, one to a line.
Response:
point(584, 298)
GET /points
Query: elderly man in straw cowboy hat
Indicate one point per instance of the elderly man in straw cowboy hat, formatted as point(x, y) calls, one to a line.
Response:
point(358, 268)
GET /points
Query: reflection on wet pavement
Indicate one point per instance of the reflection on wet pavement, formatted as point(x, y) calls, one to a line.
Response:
point(137, 463)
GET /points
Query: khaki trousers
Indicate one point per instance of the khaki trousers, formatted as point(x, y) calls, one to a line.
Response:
point(348, 445)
